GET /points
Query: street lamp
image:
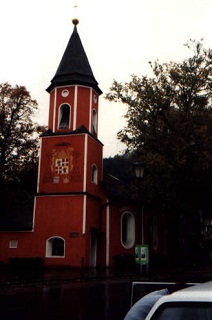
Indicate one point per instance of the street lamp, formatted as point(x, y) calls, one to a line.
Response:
point(139, 169)
point(139, 173)
point(143, 250)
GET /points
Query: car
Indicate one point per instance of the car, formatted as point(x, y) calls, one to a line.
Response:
point(191, 303)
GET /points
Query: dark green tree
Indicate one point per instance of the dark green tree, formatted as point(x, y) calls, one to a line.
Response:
point(19, 137)
point(169, 128)
point(18, 132)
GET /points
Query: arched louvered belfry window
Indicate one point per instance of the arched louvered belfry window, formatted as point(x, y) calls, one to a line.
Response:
point(64, 116)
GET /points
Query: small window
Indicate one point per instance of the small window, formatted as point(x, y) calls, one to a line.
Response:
point(64, 116)
point(94, 122)
point(65, 93)
point(127, 230)
point(94, 178)
point(13, 244)
point(55, 247)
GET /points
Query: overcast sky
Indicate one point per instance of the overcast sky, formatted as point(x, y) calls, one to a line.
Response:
point(119, 37)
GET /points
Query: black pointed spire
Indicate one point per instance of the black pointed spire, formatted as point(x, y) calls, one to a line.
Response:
point(74, 67)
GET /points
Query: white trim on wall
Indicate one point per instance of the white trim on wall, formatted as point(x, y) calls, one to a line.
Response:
point(75, 108)
point(90, 111)
point(39, 165)
point(54, 109)
point(85, 163)
point(108, 235)
point(84, 215)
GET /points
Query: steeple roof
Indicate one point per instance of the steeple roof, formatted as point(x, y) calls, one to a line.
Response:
point(74, 67)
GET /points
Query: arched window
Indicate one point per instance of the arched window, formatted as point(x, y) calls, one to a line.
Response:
point(94, 122)
point(55, 247)
point(94, 175)
point(127, 229)
point(64, 116)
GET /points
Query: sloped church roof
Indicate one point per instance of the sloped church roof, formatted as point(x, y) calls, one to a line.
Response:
point(74, 67)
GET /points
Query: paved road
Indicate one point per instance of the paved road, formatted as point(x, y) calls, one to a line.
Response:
point(91, 299)
point(76, 301)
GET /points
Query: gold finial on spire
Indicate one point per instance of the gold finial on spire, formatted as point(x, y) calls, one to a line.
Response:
point(75, 16)
point(75, 21)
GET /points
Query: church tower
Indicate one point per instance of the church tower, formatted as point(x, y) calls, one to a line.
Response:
point(73, 222)
point(70, 169)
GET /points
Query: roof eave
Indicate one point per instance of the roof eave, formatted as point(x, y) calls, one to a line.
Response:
point(53, 85)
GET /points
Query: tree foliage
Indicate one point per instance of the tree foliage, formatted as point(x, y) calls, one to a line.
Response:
point(169, 128)
point(18, 132)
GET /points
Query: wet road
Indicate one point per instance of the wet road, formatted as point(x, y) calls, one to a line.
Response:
point(76, 301)
point(107, 299)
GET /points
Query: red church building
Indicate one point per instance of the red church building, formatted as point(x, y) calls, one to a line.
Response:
point(73, 221)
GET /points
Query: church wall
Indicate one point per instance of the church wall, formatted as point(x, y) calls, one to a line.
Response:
point(53, 177)
point(92, 225)
point(83, 107)
point(15, 245)
point(116, 247)
point(94, 157)
point(56, 216)
point(61, 216)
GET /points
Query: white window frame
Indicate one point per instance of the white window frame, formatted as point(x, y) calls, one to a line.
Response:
point(60, 116)
point(94, 174)
point(13, 244)
point(49, 247)
point(130, 230)
point(94, 121)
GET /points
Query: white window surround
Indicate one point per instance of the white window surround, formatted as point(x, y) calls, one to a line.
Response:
point(13, 244)
point(127, 230)
point(94, 121)
point(64, 116)
point(51, 250)
point(94, 177)
point(65, 93)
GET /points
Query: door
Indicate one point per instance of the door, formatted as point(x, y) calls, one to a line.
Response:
point(93, 252)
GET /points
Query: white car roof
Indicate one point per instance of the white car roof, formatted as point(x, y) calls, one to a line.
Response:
point(197, 293)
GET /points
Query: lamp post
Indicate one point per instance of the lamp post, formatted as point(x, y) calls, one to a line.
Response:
point(139, 169)
point(141, 248)
point(139, 173)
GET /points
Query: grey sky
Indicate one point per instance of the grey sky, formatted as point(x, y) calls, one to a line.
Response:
point(119, 37)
